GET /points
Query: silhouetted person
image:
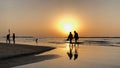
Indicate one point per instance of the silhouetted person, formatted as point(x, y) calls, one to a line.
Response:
point(70, 37)
point(76, 53)
point(13, 38)
point(8, 38)
point(76, 37)
point(36, 40)
point(70, 54)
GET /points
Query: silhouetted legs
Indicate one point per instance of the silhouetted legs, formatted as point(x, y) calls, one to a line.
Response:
point(13, 41)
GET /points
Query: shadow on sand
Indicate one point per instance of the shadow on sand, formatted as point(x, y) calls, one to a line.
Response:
point(26, 60)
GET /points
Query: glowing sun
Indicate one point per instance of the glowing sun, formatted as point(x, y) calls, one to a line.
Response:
point(67, 24)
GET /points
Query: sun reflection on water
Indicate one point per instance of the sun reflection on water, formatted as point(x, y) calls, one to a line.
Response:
point(67, 47)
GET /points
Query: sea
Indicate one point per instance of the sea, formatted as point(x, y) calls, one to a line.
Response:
point(57, 42)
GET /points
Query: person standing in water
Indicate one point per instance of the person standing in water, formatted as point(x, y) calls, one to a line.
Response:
point(36, 40)
point(76, 37)
point(70, 37)
point(13, 38)
point(8, 38)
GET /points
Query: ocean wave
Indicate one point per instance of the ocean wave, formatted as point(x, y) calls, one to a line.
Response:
point(97, 42)
point(57, 42)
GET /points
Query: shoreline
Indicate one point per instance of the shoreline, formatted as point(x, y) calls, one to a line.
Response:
point(89, 56)
point(8, 51)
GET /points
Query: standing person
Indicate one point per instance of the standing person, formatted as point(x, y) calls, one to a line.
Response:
point(70, 37)
point(76, 37)
point(8, 38)
point(13, 38)
point(36, 40)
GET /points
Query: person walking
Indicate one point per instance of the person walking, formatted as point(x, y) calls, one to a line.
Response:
point(76, 37)
point(70, 37)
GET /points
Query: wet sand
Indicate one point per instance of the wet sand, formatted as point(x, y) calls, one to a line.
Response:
point(89, 56)
point(8, 51)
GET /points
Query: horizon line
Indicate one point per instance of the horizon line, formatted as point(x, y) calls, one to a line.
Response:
point(66, 37)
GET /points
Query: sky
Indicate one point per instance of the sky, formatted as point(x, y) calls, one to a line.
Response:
point(43, 17)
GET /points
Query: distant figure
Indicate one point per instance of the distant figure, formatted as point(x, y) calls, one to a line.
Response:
point(70, 37)
point(36, 40)
point(8, 38)
point(13, 38)
point(76, 37)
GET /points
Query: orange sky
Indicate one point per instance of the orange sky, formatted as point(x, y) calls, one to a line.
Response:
point(40, 17)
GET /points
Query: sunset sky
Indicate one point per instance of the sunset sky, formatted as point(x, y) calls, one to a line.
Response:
point(49, 18)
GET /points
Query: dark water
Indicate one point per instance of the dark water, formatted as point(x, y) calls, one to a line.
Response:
point(59, 41)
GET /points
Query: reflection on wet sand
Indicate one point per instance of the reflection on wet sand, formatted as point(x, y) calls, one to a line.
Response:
point(72, 51)
point(26, 60)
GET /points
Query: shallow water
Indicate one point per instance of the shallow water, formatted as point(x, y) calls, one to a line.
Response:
point(56, 42)
point(88, 57)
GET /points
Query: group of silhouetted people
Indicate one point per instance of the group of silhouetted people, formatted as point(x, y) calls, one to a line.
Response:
point(8, 38)
point(71, 37)
point(71, 46)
